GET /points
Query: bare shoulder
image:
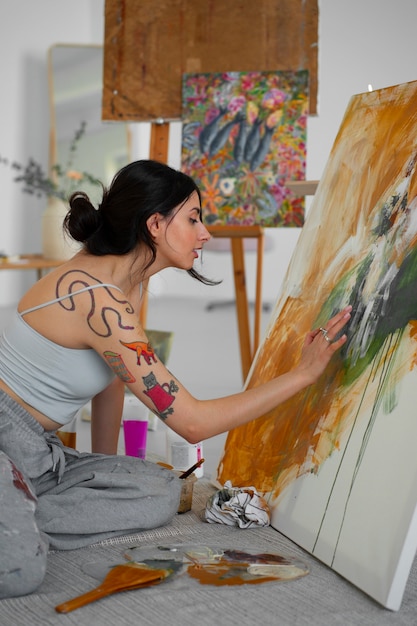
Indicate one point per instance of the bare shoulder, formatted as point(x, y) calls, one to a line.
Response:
point(83, 302)
point(99, 302)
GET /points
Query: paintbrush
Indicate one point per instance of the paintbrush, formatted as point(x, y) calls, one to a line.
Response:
point(190, 470)
point(120, 578)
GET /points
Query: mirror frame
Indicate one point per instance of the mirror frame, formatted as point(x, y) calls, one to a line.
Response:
point(86, 93)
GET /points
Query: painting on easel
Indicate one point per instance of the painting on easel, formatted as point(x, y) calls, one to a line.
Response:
point(244, 136)
point(338, 461)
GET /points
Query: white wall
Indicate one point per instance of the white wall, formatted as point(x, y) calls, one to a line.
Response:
point(361, 42)
point(27, 29)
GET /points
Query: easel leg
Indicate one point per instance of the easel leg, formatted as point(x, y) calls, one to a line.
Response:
point(258, 293)
point(158, 151)
point(237, 234)
point(242, 308)
point(143, 312)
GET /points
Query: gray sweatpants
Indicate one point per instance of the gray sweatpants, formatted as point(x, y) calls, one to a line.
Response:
point(82, 498)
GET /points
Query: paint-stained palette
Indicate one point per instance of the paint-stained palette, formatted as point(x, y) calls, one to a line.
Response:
point(220, 565)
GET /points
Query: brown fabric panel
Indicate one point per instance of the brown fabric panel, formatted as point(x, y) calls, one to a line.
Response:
point(149, 46)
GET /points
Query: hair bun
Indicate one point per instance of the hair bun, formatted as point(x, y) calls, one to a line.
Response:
point(82, 219)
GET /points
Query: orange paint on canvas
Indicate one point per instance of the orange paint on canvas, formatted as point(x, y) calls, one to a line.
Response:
point(339, 236)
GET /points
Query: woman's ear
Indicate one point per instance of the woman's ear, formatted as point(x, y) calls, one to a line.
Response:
point(154, 224)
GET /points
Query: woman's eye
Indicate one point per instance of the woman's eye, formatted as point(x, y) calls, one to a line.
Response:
point(193, 221)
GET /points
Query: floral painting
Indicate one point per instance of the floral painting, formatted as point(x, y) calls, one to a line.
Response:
point(244, 136)
point(337, 463)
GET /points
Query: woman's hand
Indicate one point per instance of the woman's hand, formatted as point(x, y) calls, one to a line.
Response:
point(320, 345)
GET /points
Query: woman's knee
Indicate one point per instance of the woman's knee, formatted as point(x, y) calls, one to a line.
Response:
point(22, 548)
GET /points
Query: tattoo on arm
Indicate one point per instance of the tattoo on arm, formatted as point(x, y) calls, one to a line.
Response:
point(142, 349)
point(162, 396)
point(116, 363)
point(78, 279)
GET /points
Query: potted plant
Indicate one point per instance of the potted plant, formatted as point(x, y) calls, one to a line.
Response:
point(57, 188)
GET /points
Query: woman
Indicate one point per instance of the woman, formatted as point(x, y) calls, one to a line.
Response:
point(76, 335)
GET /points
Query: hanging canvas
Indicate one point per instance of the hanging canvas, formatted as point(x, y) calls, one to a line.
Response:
point(243, 137)
point(338, 462)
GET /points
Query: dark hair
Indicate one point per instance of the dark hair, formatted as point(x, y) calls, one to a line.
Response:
point(118, 226)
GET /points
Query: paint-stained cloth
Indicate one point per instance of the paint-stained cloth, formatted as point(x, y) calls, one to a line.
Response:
point(236, 506)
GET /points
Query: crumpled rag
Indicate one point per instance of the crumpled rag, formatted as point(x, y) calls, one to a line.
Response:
point(237, 506)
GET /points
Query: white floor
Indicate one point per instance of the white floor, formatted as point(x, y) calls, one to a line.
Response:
point(205, 357)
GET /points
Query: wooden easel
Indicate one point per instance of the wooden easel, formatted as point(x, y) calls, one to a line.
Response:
point(159, 152)
point(237, 234)
point(129, 95)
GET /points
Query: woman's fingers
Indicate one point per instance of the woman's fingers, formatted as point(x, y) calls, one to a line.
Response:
point(331, 330)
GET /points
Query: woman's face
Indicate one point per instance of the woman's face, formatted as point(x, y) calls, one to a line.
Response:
point(185, 234)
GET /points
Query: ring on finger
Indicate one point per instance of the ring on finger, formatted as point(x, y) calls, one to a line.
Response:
point(325, 334)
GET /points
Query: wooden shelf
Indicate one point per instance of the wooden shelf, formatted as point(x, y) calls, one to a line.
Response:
point(302, 187)
point(30, 262)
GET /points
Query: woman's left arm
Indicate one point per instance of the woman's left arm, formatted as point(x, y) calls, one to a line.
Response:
point(106, 416)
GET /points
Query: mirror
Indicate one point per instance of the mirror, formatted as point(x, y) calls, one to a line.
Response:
point(75, 84)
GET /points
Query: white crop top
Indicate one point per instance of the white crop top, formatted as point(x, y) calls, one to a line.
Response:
point(56, 381)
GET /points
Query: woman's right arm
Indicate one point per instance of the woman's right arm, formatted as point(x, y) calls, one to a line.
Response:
point(135, 362)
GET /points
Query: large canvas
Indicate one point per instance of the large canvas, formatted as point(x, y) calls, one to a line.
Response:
point(244, 137)
point(338, 462)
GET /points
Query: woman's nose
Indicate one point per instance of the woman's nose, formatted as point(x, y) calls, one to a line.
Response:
point(205, 235)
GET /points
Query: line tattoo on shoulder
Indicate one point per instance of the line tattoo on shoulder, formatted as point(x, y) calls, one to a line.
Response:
point(75, 282)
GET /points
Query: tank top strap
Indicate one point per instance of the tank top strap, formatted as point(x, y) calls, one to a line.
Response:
point(67, 295)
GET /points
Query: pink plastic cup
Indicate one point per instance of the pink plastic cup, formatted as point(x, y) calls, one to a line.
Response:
point(135, 427)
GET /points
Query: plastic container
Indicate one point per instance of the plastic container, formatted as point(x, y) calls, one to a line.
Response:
point(68, 433)
point(135, 426)
point(187, 488)
point(181, 454)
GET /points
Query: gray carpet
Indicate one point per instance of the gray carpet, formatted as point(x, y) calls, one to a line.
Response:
point(321, 598)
